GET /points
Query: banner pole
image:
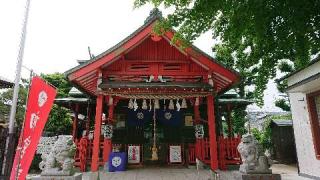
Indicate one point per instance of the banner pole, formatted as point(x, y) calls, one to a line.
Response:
point(10, 139)
point(18, 70)
point(23, 124)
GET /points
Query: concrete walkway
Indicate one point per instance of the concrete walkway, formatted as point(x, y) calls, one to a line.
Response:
point(288, 172)
point(145, 173)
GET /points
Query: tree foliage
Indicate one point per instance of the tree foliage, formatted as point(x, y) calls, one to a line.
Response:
point(59, 121)
point(6, 100)
point(60, 82)
point(255, 35)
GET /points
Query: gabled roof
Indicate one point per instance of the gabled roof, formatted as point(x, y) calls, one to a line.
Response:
point(282, 122)
point(5, 83)
point(86, 67)
point(154, 15)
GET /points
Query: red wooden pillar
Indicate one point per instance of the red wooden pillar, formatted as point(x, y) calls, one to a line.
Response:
point(196, 114)
point(212, 133)
point(107, 144)
point(198, 146)
point(96, 135)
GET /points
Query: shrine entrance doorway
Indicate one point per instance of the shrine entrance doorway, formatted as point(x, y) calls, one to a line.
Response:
point(152, 136)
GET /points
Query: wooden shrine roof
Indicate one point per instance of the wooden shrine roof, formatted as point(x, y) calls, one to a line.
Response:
point(128, 52)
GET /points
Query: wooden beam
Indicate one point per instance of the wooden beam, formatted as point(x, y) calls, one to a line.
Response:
point(173, 61)
point(212, 133)
point(108, 57)
point(97, 133)
point(148, 73)
point(186, 85)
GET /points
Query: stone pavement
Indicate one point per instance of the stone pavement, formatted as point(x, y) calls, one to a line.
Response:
point(154, 173)
point(288, 172)
point(179, 173)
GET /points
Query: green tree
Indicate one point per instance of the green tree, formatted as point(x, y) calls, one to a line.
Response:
point(255, 36)
point(60, 82)
point(6, 99)
point(59, 121)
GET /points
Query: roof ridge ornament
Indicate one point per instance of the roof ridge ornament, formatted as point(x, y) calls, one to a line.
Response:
point(154, 13)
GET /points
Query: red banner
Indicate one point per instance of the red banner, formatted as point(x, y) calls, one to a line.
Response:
point(40, 100)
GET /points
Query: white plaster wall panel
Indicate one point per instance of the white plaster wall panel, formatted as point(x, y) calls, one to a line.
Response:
point(302, 130)
point(309, 71)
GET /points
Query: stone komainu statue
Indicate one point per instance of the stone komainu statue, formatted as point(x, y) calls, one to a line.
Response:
point(253, 159)
point(60, 160)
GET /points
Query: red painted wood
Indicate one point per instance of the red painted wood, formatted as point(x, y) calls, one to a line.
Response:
point(107, 148)
point(212, 133)
point(157, 58)
point(97, 129)
point(208, 62)
point(228, 153)
point(108, 57)
point(314, 122)
point(196, 114)
point(191, 153)
point(83, 153)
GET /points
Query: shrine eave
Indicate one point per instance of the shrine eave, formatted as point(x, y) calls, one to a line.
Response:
point(84, 75)
point(183, 85)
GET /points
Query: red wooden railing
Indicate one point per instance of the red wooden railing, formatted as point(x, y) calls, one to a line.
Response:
point(228, 153)
point(191, 154)
point(227, 149)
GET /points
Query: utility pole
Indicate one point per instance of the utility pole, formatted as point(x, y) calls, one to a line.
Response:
point(10, 141)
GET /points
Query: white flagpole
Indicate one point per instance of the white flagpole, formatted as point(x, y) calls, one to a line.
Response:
point(18, 69)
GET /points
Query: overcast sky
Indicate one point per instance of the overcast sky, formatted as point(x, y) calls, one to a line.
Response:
point(59, 32)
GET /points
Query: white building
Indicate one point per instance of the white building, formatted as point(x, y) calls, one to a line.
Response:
point(304, 95)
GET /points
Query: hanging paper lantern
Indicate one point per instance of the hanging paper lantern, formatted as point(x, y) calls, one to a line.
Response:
point(178, 105)
point(199, 131)
point(171, 105)
point(144, 105)
point(130, 104)
point(156, 104)
point(135, 105)
point(184, 104)
point(107, 131)
point(197, 101)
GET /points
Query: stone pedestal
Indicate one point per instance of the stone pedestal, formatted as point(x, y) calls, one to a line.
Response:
point(77, 176)
point(261, 177)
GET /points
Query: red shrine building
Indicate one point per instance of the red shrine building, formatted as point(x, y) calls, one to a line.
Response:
point(155, 101)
